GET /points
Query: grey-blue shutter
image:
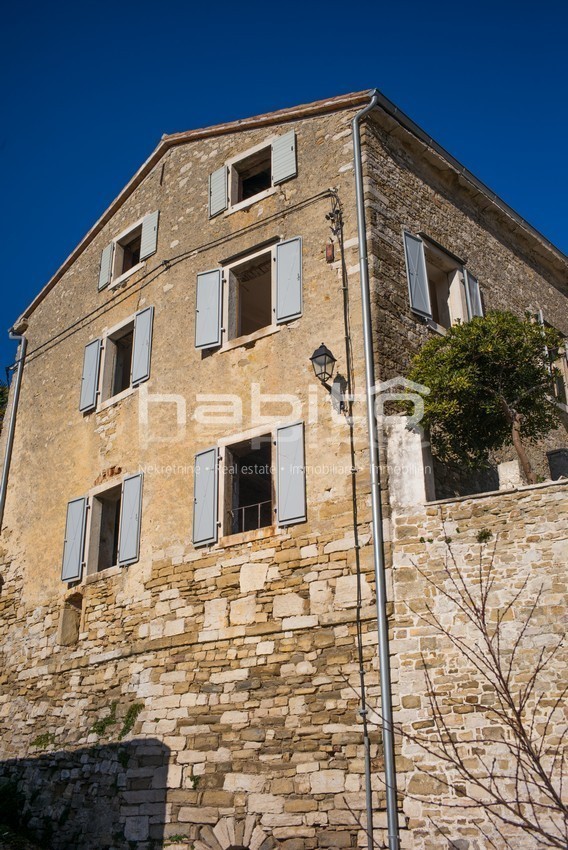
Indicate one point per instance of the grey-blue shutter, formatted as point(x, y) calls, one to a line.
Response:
point(288, 280)
point(90, 379)
point(417, 276)
point(142, 347)
point(130, 515)
point(208, 309)
point(291, 486)
point(73, 546)
point(149, 239)
point(205, 498)
point(105, 270)
point(473, 295)
point(218, 199)
point(284, 158)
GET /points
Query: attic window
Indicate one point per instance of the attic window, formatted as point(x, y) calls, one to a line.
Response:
point(252, 175)
point(127, 252)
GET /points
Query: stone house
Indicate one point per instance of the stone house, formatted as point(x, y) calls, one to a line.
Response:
point(186, 552)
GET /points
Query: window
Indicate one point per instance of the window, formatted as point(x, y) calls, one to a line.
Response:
point(441, 289)
point(262, 481)
point(559, 360)
point(249, 294)
point(249, 304)
point(118, 348)
point(253, 174)
point(248, 485)
point(112, 534)
point(105, 520)
point(127, 252)
point(125, 353)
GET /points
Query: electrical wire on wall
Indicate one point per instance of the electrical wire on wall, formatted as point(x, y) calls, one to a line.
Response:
point(146, 279)
point(335, 217)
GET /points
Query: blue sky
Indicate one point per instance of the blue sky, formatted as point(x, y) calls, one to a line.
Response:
point(89, 88)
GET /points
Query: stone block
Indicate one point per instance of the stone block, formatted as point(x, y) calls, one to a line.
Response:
point(288, 605)
point(253, 577)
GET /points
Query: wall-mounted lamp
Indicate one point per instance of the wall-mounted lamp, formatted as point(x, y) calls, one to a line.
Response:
point(323, 362)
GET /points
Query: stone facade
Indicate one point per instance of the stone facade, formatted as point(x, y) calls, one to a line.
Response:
point(209, 695)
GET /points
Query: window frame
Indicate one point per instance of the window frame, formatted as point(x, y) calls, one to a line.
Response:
point(223, 445)
point(456, 302)
point(233, 178)
point(89, 572)
point(104, 376)
point(226, 272)
point(116, 280)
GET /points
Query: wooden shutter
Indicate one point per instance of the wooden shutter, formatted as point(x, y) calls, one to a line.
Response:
point(218, 199)
point(473, 295)
point(74, 543)
point(288, 280)
point(130, 516)
point(149, 239)
point(90, 378)
point(291, 484)
point(417, 276)
point(105, 270)
point(205, 498)
point(208, 309)
point(142, 347)
point(284, 163)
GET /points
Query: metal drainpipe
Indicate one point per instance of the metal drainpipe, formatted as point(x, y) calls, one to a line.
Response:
point(378, 540)
point(12, 422)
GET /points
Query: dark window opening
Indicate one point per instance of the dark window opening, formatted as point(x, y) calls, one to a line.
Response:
point(118, 361)
point(105, 523)
point(439, 288)
point(250, 307)
point(254, 174)
point(123, 362)
point(130, 247)
point(248, 485)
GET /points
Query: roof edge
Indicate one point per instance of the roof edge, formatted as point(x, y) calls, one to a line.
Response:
point(319, 107)
point(168, 141)
point(412, 127)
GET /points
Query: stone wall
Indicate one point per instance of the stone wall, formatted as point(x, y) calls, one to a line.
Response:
point(525, 552)
point(410, 187)
point(240, 659)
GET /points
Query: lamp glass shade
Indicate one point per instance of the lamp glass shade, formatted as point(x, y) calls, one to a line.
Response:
point(323, 362)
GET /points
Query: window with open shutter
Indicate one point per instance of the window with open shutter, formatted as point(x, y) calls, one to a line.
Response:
point(417, 275)
point(105, 270)
point(205, 498)
point(149, 237)
point(288, 280)
point(90, 378)
point(291, 485)
point(130, 516)
point(218, 197)
point(73, 546)
point(473, 295)
point(142, 346)
point(208, 309)
point(284, 164)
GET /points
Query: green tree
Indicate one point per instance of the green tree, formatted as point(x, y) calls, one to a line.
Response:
point(491, 385)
